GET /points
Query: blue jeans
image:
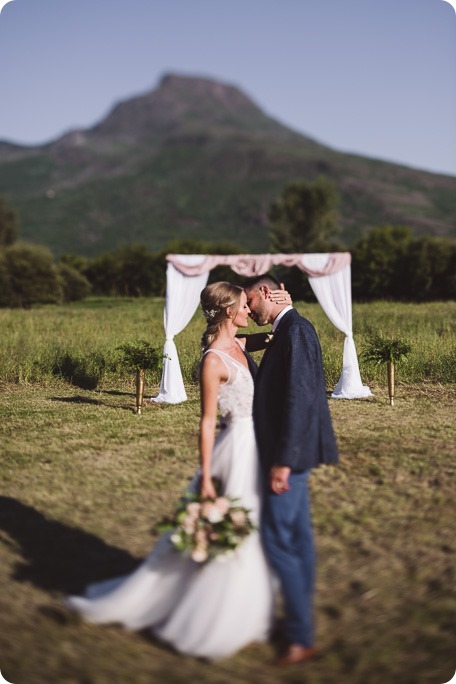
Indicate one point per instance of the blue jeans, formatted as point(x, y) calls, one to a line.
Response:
point(288, 542)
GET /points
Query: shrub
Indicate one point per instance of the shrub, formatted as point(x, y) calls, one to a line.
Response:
point(74, 285)
point(376, 260)
point(382, 349)
point(140, 355)
point(32, 276)
point(128, 271)
point(84, 371)
point(5, 281)
point(9, 223)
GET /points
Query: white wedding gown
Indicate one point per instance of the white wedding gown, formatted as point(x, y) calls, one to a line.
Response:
point(210, 610)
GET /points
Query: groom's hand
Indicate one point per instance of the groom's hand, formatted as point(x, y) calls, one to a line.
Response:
point(278, 479)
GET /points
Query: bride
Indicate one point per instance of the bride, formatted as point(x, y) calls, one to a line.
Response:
point(207, 610)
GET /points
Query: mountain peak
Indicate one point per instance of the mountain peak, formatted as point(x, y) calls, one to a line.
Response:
point(200, 87)
point(186, 103)
point(197, 158)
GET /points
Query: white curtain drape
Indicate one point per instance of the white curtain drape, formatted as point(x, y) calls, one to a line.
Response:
point(329, 276)
point(333, 293)
point(182, 299)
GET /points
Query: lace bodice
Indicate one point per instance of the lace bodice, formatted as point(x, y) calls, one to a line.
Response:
point(235, 396)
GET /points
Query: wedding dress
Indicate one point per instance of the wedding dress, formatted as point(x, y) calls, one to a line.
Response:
point(214, 609)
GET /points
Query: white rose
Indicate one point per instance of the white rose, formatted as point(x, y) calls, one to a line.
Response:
point(188, 524)
point(212, 513)
point(239, 518)
point(222, 504)
point(193, 509)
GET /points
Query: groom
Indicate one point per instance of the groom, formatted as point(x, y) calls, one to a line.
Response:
point(294, 434)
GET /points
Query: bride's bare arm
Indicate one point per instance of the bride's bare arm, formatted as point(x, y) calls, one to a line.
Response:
point(212, 373)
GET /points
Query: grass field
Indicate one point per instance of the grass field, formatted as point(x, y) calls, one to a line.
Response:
point(47, 342)
point(84, 480)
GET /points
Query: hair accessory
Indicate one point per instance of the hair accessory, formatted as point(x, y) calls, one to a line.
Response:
point(210, 314)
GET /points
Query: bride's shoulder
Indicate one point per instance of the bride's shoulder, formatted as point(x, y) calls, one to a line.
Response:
point(212, 357)
point(213, 365)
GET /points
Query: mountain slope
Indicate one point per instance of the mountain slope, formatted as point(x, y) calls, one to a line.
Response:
point(198, 159)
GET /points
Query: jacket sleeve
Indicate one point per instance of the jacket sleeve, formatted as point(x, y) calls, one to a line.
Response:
point(299, 425)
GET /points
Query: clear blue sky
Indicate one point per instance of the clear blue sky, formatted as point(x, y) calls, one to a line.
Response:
point(374, 77)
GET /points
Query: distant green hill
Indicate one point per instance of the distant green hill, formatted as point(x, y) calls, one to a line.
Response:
point(198, 159)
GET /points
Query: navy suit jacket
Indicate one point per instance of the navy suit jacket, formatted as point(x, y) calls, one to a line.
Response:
point(292, 420)
point(253, 368)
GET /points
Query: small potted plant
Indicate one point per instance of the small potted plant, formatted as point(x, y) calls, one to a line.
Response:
point(140, 356)
point(389, 350)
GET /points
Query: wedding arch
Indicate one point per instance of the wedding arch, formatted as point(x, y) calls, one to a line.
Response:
point(329, 276)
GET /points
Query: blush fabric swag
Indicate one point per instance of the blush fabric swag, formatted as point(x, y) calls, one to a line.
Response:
point(329, 276)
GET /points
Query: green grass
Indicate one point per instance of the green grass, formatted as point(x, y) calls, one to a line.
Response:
point(33, 342)
point(84, 480)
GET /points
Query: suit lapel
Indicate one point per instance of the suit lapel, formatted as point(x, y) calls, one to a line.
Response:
point(283, 325)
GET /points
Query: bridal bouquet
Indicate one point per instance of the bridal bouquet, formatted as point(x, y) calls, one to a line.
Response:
point(208, 528)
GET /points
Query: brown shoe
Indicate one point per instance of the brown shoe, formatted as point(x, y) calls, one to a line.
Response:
point(296, 654)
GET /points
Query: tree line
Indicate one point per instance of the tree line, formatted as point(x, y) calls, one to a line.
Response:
point(388, 262)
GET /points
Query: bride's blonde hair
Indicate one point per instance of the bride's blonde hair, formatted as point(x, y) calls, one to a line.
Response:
point(215, 300)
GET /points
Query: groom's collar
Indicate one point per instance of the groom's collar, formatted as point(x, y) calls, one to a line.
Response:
point(279, 317)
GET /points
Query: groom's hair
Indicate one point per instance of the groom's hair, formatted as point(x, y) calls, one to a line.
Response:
point(265, 279)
